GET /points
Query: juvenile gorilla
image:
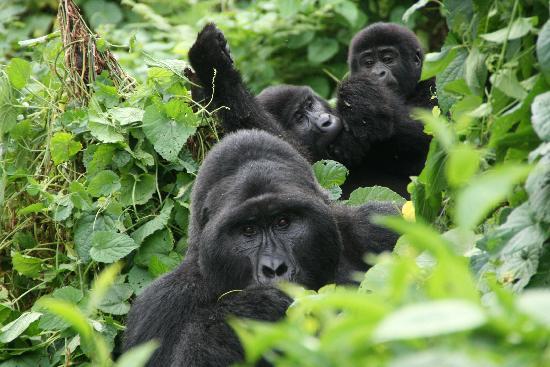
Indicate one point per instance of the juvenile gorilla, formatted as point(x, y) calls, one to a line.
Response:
point(370, 131)
point(258, 216)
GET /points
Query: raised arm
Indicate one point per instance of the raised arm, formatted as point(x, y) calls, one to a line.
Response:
point(211, 59)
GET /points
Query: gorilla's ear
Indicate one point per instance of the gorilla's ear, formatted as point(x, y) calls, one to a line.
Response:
point(418, 58)
point(204, 217)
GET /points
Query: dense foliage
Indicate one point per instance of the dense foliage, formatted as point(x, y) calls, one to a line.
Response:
point(102, 175)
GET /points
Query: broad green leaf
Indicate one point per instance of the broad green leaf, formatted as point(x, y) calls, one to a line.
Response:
point(520, 27)
point(161, 264)
point(506, 81)
point(115, 299)
point(436, 62)
point(543, 50)
point(137, 190)
point(69, 313)
point(80, 197)
point(126, 115)
point(63, 147)
point(26, 265)
point(348, 10)
point(102, 12)
point(462, 164)
point(104, 132)
point(167, 135)
point(538, 187)
point(321, 49)
point(104, 183)
point(31, 209)
point(8, 111)
point(454, 71)
point(160, 242)
point(101, 285)
point(330, 173)
point(61, 207)
point(108, 247)
point(97, 157)
point(19, 72)
point(485, 192)
point(53, 322)
point(363, 195)
point(430, 319)
point(84, 230)
point(475, 72)
point(535, 303)
point(288, 8)
point(443, 357)
point(139, 279)
point(154, 224)
point(15, 328)
point(137, 356)
point(540, 110)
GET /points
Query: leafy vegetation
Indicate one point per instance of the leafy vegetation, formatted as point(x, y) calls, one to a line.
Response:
point(95, 180)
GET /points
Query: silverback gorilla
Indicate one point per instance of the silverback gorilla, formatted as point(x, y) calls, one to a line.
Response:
point(258, 216)
point(370, 131)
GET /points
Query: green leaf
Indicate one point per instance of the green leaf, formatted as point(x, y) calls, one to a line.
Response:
point(154, 224)
point(15, 328)
point(26, 265)
point(506, 81)
point(485, 192)
point(52, 322)
point(363, 195)
point(69, 313)
point(126, 115)
point(115, 299)
point(137, 356)
point(84, 230)
point(108, 247)
point(520, 28)
point(453, 72)
point(348, 10)
point(288, 8)
point(330, 173)
point(137, 189)
point(61, 207)
point(475, 72)
point(63, 147)
point(540, 110)
point(139, 279)
point(321, 49)
point(462, 164)
point(103, 131)
point(31, 209)
point(538, 187)
point(19, 72)
point(543, 50)
point(104, 183)
point(167, 135)
point(436, 62)
point(535, 304)
point(429, 319)
point(160, 242)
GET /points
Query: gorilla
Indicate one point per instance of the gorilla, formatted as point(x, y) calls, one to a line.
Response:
point(258, 217)
point(370, 130)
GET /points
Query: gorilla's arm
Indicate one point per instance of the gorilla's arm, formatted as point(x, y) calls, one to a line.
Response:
point(237, 108)
point(209, 340)
point(361, 236)
point(381, 120)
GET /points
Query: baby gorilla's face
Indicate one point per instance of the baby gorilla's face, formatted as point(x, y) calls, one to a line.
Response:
point(271, 238)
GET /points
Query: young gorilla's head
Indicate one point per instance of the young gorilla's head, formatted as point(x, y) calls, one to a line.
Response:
point(259, 216)
point(304, 114)
point(390, 54)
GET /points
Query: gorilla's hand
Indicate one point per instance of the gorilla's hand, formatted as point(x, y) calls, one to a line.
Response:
point(211, 51)
point(269, 302)
point(369, 110)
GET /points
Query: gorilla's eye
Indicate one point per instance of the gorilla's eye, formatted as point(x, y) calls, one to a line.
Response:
point(249, 230)
point(282, 222)
point(387, 59)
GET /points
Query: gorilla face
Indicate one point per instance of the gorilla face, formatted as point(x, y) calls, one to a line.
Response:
point(264, 220)
point(389, 54)
point(306, 115)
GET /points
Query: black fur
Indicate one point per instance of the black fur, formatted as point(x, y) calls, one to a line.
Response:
point(372, 134)
point(255, 205)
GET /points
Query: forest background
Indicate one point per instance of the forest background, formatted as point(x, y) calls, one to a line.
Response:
point(100, 145)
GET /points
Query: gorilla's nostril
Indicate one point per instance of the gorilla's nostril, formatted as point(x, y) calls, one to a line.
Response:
point(326, 124)
point(268, 272)
point(281, 270)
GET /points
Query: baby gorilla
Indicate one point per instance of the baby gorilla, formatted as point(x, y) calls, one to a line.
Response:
point(258, 217)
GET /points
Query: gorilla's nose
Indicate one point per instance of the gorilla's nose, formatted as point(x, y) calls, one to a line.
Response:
point(273, 268)
point(326, 122)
